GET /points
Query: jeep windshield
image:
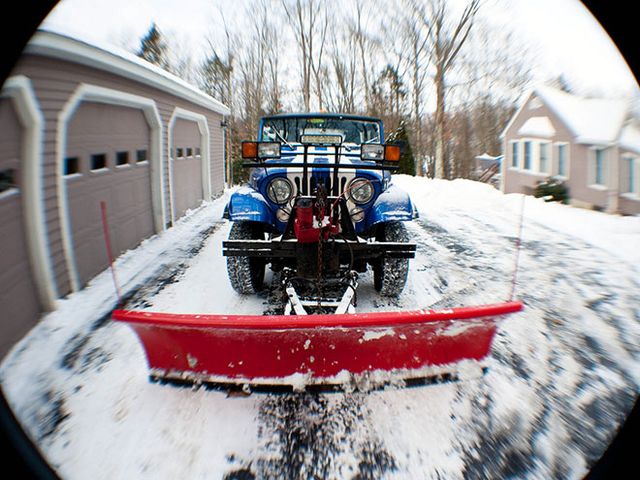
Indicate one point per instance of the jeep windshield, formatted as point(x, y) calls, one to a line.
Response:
point(333, 130)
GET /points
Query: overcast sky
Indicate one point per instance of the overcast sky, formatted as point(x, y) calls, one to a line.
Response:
point(565, 36)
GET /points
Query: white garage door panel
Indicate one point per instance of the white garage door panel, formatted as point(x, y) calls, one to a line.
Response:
point(19, 304)
point(126, 189)
point(187, 169)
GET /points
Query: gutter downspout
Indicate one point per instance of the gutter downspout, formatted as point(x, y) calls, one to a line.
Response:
point(225, 154)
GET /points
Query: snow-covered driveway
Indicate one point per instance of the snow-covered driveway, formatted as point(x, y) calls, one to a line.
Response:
point(562, 376)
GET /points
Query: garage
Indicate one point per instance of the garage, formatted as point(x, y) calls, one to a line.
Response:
point(81, 125)
point(187, 166)
point(19, 303)
point(107, 160)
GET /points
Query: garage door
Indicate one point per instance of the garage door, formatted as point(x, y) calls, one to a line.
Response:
point(107, 159)
point(187, 166)
point(19, 305)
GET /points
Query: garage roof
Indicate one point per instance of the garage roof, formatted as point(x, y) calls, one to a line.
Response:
point(115, 60)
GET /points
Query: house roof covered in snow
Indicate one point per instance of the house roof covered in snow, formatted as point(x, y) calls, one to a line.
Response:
point(592, 120)
point(595, 121)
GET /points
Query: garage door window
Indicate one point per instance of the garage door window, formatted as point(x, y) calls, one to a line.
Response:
point(141, 156)
point(98, 161)
point(7, 179)
point(71, 165)
point(122, 158)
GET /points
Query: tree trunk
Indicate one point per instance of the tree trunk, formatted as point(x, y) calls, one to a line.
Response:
point(440, 163)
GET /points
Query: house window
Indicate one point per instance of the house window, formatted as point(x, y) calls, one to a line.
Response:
point(544, 158)
point(7, 179)
point(122, 158)
point(562, 160)
point(599, 167)
point(179, 153)
point(629, 180)
point(98, 161)
point(71, 165)
point(197, 151)
point(189, 152)
point(527, 155)
point(141, 155)
point(515, 160)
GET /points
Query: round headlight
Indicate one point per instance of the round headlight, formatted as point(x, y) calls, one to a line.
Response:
point(279, 190)
point(360, 190)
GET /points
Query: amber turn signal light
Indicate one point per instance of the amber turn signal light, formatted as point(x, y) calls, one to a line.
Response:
point(392, 153)
point(249, 149)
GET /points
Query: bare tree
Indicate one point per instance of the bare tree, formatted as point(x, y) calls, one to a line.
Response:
point(445, 36)
point(216, 79)
point(318, 68)
point(493, 70)
point(274, 87)
point(302, 16)
point(386, 67)
point(341, 95)
point(360, 37)
point(411, 51)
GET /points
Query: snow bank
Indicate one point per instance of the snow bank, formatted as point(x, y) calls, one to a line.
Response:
point(618, 235)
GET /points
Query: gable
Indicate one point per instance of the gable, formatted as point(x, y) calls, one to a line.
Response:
point(534, 119)
point(537, 127)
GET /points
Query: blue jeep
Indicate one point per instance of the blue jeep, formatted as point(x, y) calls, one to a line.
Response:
point(319, 207)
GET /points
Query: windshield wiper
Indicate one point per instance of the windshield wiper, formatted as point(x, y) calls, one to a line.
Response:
point(279, 135)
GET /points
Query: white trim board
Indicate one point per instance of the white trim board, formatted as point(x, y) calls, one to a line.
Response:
point(93, 93)
point(20, 90)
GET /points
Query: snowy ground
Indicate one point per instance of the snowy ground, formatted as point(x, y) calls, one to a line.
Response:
point(563, 373)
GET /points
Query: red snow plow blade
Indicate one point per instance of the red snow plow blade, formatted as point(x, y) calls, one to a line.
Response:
point(304, 350)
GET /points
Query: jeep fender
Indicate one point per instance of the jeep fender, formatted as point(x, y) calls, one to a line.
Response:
point(392, 205)
point(247, 204)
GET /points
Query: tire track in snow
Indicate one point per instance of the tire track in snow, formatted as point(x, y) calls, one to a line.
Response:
point(311, 436)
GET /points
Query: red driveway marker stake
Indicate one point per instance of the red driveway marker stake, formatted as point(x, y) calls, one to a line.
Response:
point(107, 242)
point(512, 296)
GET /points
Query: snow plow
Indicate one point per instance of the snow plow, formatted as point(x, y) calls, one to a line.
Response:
point(320, 209)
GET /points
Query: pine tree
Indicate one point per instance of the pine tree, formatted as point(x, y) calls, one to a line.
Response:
point(407, 164)
point(215, 78)
point(153, 48)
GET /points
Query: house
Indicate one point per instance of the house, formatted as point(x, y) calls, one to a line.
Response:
point(591, 144)
point(82, 124)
